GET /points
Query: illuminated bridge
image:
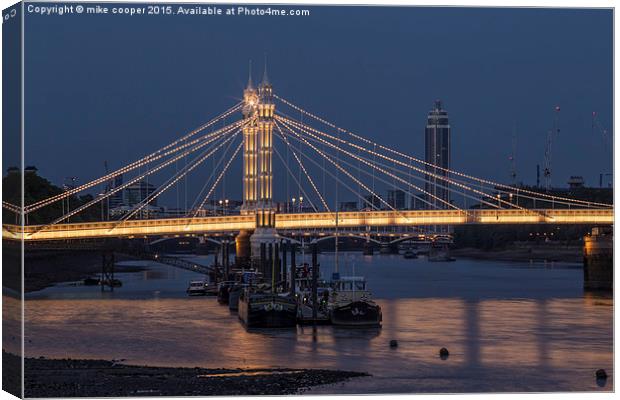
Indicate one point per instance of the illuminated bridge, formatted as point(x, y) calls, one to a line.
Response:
point(304, 221)
point(319, 164)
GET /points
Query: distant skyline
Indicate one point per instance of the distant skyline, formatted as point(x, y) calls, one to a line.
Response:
point(114, 88)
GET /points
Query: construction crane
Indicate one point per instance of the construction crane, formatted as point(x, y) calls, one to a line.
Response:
point(596, 125)
point(550, 135)
point(513, 156)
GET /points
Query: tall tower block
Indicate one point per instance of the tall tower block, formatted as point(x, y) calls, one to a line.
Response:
point(438, 153)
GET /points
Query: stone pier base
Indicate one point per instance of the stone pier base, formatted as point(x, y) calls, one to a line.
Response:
point(598, 263)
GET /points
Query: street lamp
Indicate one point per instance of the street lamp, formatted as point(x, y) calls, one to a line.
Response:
point(301, 200)
point(293, 200)
point(226, 207)
point(221, 205)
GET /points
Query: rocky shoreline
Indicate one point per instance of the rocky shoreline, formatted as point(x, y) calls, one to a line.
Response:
point(99, 378)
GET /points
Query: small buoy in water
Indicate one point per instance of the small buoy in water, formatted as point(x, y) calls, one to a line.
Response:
point(393, 343)
point(444, 353)
point(601, 374)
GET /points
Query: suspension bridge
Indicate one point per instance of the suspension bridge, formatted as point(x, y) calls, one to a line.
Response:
point(311, 151)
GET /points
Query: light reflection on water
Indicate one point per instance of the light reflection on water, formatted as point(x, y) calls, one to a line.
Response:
point(509, 327)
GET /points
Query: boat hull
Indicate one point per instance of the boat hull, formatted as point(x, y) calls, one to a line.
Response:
point(357, 313)
point(268, 311)
point(233, 299)
point(223, 294)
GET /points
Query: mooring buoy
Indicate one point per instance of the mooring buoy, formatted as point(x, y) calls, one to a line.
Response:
point(443, 353)
point(601, 374)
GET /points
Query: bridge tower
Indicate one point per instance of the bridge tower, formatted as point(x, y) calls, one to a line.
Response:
point(258, 111)
point(250, 159)
point(250, 166)
point(265, 232)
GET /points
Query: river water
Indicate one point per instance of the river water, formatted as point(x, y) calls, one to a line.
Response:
point(508, 327)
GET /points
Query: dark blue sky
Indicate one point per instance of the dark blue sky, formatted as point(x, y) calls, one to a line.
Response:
point(116, 87)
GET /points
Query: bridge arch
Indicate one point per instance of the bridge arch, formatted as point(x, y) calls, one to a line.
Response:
point(322, 238)
point(165, 239)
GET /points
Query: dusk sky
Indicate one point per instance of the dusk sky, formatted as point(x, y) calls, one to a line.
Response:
point(116, 88)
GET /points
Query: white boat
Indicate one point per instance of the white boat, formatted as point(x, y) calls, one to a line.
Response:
point(197, 288)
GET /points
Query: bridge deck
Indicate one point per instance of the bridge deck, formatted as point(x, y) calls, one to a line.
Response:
point(323, 220)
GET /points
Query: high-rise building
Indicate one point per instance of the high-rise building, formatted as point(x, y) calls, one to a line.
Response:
point(137, 192)
point(116, 199)
point(396, 199)
point(437, 154)
point(348, 206)
point(372, 202)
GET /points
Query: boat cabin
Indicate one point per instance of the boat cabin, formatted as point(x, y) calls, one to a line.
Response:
point(350, 283)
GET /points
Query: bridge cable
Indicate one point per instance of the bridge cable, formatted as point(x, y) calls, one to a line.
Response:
point(365, 161)
point(313, 161)
point(298, 126)
point(125, 185)
point(301, 165)
point(295, 179)
point(215, 166)
point(136, 164)
point(174, 179)
point(374, 165)
point(361, 138)
point(217, 180)
point(345, 172)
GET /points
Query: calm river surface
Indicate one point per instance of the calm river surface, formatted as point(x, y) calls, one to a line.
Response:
point(508, 327)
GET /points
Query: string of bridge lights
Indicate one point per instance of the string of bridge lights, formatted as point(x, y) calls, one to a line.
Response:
point(219, 178)
point(374, 166)
point(336, 178)
point(301, 165)
point(366, 188)
point(307, 130)
point(137, 179)
point(306, 135)
point(299, 185)
point(214, 170)
point(158, 154)
point(186, 170)
point(458, 173)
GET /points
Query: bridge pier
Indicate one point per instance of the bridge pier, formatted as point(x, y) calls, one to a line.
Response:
point(368, 249)
point(262, 235)
point(242, 249)
point(598, 268)
point(388, 248)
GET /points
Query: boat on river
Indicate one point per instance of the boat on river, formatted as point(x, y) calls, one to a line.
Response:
point(261, 308)
point(410, 254)
point(223, 290)
point(243, 279)
point(233, 295)
point(197, 288)
point(303, 296)
point(351, 304)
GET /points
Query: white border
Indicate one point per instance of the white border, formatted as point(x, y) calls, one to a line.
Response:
point(456, 3)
